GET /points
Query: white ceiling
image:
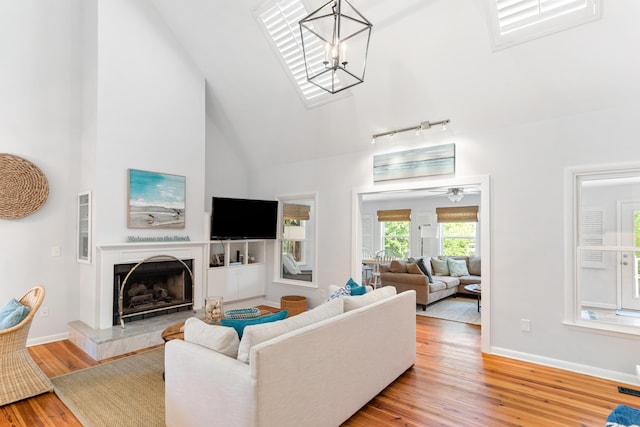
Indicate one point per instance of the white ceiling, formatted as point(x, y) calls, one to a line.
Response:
point(428, 60)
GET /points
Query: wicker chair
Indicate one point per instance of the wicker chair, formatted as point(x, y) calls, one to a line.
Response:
point(20, 377)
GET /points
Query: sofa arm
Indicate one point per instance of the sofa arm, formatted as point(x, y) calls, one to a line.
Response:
point(203, 386)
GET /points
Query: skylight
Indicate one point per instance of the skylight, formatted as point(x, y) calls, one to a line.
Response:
point(517, 21)
point(279, 20)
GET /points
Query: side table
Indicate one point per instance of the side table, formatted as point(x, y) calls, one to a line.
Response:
point(475, 289)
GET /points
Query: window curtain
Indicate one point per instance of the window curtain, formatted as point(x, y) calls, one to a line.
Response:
point(458, 214)
point(394, 215)
point(297, 212)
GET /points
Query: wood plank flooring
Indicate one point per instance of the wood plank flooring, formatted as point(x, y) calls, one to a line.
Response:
point(451, 384)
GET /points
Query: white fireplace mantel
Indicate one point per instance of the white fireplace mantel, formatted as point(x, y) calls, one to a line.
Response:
point(108, 255)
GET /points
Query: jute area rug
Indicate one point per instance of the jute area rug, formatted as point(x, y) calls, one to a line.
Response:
point(126, 392)
point(458, 309)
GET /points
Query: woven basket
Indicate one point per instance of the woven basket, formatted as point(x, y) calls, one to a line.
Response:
point(294, 304)
point(23, 187)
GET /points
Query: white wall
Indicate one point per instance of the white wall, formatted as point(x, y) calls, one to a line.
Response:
point(36, 122)
point(526, 165)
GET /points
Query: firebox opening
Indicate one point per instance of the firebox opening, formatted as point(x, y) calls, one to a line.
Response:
point(152, 289)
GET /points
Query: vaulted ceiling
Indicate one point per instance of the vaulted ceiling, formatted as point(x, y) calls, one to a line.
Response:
point(428, 60)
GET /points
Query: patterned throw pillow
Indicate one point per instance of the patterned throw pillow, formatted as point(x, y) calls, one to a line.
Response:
point(440, 267)
point(457, 267)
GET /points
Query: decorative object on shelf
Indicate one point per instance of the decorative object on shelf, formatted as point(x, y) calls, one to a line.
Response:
point(156, 200)
point(429, 161)
point(133, 239)
point(343, 33)
point(293, 304)
point(242, 313)
point(417, 129)
point(23, 187)
point(213, 309)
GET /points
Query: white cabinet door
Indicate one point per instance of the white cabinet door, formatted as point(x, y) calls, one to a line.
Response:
point(222, 281)
point(251, 283)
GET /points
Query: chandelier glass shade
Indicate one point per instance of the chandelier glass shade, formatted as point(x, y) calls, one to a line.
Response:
point(455, 194)
point(335, 45)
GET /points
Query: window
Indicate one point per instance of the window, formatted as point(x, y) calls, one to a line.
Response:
point(517, 21)
point(458, 230)
point(604, 292)
point(297, 240)
point(396, 237)
point(458, 238)
point(279, 20)
point(395, 230)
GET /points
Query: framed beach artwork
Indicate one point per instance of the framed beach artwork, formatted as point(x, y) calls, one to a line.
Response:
point(156, 200)
point(428, 161)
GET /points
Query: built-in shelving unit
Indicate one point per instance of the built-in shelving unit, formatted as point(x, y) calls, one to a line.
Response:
point(236, 269)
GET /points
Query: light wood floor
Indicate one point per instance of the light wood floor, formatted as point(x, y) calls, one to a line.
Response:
point(452, 384)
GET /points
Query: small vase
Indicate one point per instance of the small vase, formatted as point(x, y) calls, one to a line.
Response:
point(213, 310)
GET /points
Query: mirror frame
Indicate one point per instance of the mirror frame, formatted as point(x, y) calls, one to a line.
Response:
point(291, 198)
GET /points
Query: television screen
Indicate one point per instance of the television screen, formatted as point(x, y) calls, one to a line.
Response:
point(243, 218)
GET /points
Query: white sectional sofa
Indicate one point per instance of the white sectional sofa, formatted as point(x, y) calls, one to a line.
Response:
point(316, 375)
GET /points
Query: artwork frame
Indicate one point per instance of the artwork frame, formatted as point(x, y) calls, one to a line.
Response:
point(419, 162)
point(155, 200)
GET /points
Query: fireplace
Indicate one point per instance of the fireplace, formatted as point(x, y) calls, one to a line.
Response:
point(157, 285)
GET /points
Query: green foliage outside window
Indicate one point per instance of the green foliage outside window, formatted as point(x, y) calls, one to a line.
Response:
point(396, 237)
point(459, 238)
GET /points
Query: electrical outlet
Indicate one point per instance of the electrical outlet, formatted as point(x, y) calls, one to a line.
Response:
point(44, 311)
point(55, 251)
point(525, 325)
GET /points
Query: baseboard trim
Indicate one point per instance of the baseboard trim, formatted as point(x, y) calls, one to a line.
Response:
point(46, 340)
point(567, 366)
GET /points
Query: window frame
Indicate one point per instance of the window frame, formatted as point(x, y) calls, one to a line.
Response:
point(573, 214)
point(474, 238)
point(544, 25)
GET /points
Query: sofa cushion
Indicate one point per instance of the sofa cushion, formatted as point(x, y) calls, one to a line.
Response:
point(450, 281)
point(440, 267)
point(13, 313)
point(353, 302)
point(425, 267)
point(436, 286)
point(397, 266)
point(457, 267)
point(240, 324)
point(255, 334)
point(475, 266)
point(414, 269)
point(222, 339)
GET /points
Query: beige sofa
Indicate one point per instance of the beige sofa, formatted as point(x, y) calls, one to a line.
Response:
point(314, 375)
point(405, 275)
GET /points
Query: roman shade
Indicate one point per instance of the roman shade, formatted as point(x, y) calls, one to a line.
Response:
point(458, 214)
point(394, 215)
point(297, 212)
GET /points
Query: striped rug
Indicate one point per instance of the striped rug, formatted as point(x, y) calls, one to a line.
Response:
point(458, 309)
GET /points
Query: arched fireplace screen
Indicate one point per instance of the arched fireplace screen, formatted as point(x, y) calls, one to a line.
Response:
point(139, 296)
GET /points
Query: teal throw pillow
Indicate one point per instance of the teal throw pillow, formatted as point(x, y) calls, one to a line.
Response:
point(457, 267)
point(12, 314)
point(426, 269)
point(359, 290)
point(440, 267)
point(239, 324)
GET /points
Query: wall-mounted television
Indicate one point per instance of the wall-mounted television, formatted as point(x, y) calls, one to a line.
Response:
point(243, 218)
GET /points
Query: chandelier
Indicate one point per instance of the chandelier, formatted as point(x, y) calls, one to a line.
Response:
point(335, 44)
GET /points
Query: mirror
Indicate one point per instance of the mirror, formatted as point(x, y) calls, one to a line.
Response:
point(297, 239)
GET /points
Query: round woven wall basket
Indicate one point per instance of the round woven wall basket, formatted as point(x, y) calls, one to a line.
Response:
point(294, 304)
point(23, 187)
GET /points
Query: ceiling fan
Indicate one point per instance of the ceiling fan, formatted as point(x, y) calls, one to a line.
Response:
point(455, 194)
